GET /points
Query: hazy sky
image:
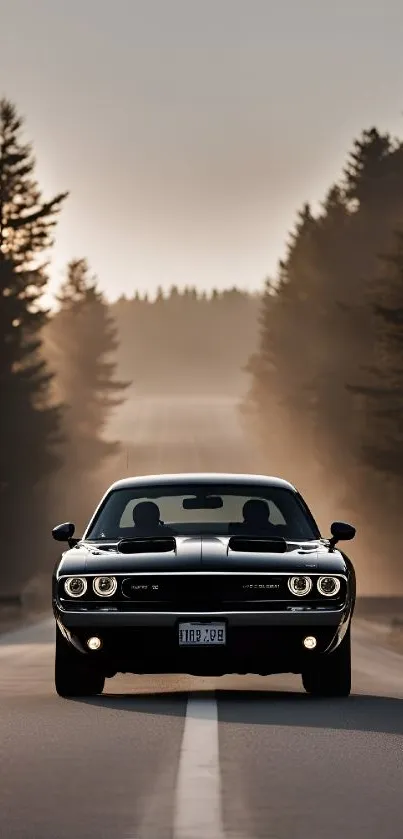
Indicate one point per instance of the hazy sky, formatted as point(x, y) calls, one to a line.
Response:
point(190, 131)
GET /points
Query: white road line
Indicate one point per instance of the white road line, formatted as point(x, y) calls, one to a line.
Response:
point(198, 790)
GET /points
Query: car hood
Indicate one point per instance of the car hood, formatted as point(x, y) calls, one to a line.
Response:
point(201, 553)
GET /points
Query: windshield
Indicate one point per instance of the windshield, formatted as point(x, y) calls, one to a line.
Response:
point(197, 509)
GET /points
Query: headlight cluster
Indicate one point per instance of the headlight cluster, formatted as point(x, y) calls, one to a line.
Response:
point(328, 586)
point(102, 586)
point(105, 586)
point(301, 586)
point(75, 586)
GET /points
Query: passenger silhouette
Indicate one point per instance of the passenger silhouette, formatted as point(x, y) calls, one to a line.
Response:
point(256, 515)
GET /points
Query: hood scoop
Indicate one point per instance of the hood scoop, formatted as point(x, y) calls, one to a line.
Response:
point(147, 545)
point(251, 544)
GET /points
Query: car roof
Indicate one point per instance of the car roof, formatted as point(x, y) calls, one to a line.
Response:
point(202, 478)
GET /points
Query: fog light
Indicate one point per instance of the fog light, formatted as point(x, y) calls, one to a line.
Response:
point(309, 642)
point(94, 643)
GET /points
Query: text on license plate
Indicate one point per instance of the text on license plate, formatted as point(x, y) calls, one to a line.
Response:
point(201, 634)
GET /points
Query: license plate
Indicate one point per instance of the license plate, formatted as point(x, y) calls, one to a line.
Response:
point(202, 634)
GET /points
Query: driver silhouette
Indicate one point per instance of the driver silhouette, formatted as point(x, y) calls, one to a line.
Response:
point(146, 519)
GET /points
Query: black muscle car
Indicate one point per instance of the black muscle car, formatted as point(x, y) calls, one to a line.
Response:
point(204, 574)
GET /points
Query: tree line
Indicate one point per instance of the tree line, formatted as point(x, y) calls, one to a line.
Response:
point(326, 383)
point(50, 425)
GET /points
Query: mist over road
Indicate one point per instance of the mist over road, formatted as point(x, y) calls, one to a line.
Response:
point(182, 433)
point(175, 757)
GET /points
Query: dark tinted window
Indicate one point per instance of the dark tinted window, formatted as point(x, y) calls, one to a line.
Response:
point(191, 509)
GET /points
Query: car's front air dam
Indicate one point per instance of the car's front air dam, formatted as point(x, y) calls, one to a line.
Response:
point(261, 650)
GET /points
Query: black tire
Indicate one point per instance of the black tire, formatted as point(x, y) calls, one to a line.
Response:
point(331, 674)
point(75, 675)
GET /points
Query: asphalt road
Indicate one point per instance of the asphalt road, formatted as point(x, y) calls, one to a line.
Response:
point(186, 758)
point(175, 756)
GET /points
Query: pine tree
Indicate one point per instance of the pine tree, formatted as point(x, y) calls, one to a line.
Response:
point(369, 162)
point(28, 426)
point(291, 372)
point(82, 343)
point(381, 387)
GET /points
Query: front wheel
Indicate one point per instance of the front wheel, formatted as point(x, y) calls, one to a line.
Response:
point(74, 674)
point(331, 674)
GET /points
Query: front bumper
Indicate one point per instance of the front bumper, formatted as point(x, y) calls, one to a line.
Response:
point(291, 617)
point(257, 642)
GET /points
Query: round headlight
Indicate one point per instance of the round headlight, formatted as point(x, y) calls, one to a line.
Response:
point(105, 586)
point(300, 585)
point(328, 586)
point(75, 586)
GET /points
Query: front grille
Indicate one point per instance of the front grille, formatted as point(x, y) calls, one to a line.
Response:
point(217, 589)
point(218, 592)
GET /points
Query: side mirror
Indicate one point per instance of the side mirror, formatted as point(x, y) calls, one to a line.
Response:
point(341, 531)
point(64, 532)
